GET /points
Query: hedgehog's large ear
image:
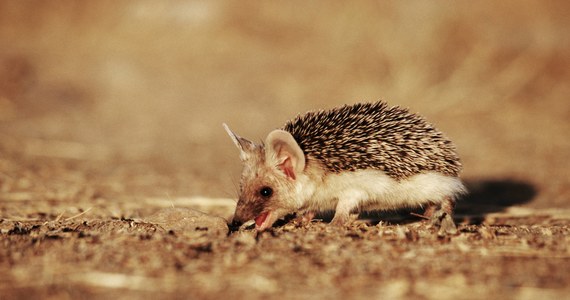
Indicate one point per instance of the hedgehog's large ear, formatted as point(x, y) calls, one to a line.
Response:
point(282, 147)
point(245, 146)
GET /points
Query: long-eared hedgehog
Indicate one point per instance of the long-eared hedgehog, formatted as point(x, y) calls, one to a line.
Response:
point(353, 158)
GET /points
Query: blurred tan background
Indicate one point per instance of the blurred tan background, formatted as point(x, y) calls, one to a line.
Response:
point(149, 83)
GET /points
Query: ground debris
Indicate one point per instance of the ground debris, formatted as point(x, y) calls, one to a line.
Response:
point(189, 222)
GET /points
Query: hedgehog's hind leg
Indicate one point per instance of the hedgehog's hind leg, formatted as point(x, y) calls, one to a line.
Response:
point(448, 205)
point(430, 210)
point(441, 215)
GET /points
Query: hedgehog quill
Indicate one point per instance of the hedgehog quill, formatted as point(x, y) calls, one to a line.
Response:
point(349, 159)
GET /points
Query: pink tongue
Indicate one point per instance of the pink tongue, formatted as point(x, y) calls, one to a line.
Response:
point(259, 219)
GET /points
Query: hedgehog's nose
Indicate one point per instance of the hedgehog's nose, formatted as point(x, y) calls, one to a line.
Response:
point(235, 223)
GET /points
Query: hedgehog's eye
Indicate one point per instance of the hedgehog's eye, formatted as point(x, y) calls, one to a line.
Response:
point(266, 192)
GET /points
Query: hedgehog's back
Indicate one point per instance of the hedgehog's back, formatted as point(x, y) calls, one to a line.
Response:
point(374, 136)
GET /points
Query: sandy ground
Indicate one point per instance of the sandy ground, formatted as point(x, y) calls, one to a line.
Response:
point(111, 112)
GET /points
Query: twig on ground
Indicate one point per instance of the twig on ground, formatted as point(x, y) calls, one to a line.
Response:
point(79, 214)
point(419, 216)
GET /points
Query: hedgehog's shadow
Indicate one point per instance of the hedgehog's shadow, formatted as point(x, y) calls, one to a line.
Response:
point(490, 196)
point(484, 197)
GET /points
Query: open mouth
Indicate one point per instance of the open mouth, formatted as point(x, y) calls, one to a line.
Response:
point(262, 221)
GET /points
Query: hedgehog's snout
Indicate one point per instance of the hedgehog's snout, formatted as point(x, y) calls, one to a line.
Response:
point(239, 216)
point(246, 211)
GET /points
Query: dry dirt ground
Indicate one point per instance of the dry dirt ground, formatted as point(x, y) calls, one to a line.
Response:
point(110, 132)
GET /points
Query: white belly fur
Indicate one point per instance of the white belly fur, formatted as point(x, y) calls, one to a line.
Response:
point(374, 190)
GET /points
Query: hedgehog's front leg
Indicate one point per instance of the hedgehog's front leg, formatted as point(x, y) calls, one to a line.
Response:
point(346, 204)
point(305, 218)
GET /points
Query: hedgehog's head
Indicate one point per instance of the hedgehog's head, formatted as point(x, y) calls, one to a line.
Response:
point(269, 185)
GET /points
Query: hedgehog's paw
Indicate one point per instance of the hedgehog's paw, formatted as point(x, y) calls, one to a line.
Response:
point(304, 218)
point(444, 222)
point(341, 220)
